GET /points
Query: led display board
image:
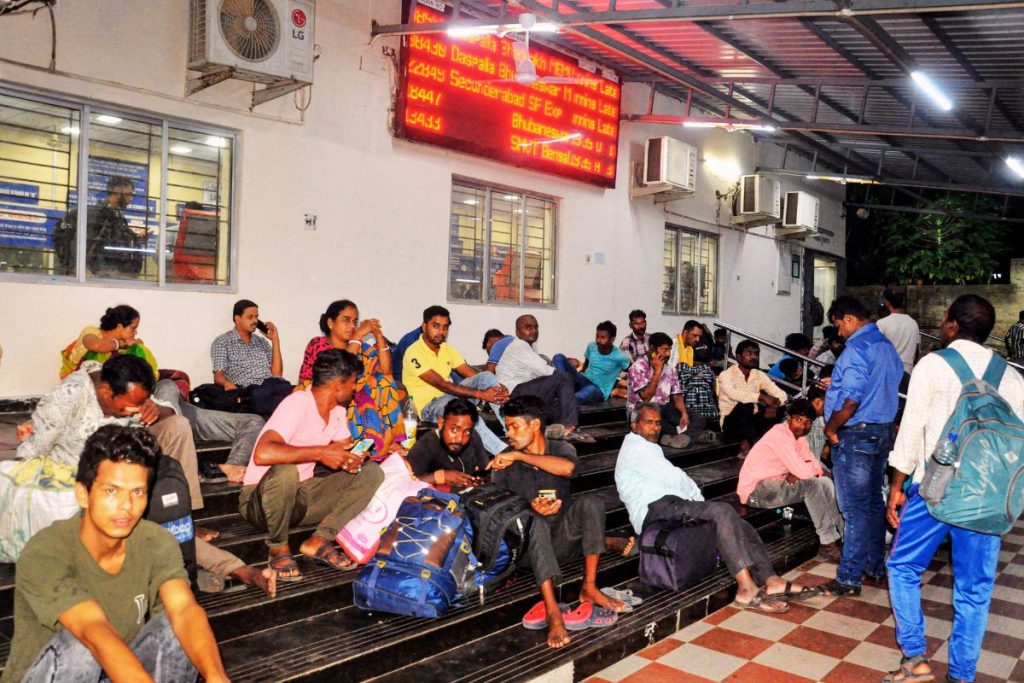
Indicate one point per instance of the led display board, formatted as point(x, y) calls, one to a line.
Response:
point(458, 93)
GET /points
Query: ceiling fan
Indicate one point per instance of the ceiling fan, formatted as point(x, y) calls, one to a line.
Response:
point(526, 72)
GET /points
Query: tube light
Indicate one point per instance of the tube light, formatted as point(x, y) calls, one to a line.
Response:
point(732, 125)
point(108, 119)
point(500, 29)
point(216, 141)
point(1016, 164)
point(70, 130)
point(928, 86)
point(180, 149)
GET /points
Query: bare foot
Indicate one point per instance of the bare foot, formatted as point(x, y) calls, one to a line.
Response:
point(558, 636)
point(265, 580)
point(206, 534)
point(235, 473)
point(590, 592)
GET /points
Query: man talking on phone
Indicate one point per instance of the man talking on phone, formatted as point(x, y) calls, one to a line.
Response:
point(279, 490)
point(452, 455)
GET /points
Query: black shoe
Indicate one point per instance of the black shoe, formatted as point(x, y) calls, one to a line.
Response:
point(839, 589)
point(877, 581)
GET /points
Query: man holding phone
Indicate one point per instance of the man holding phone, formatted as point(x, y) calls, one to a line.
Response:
point(279, 490)
point(245, 360)
point(453, 454)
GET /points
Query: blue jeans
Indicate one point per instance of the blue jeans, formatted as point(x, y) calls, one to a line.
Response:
point(67, 660)
point(974, 557)
point(858, 471)
point(433, 411)
point(587, 393)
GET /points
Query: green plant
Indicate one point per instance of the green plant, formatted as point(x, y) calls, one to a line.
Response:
point(949, 246)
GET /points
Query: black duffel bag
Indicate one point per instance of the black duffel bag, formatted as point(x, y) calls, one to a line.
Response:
point(676, 555)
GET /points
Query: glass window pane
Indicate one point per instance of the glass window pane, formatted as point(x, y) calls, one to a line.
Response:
point(539, 262)
point(124, 178)
point(466, 243)
point(197, 248)
point(504, 263)
point(709, 275)
point(38, 169)
point(687, 272)
point(668, 280)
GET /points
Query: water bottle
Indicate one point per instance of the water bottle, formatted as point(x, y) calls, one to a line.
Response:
point(410, 419)
point(938, 473)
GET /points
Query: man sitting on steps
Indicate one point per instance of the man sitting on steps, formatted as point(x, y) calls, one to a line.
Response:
point(540, 470)
point(653, 489)
point(279, 490)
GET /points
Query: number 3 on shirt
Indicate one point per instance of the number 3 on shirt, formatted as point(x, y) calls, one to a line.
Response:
point(415, 363)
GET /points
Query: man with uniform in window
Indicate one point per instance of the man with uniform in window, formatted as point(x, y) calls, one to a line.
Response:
point(112, 247)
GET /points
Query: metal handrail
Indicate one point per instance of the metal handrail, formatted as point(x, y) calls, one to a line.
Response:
point(1008, 362)
point(806, 360)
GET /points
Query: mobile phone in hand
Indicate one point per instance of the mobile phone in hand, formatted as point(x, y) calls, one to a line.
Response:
point(548, 494)
point(363, 446)
point(261, 326)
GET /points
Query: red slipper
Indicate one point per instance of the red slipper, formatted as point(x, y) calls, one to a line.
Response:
point(579, 616)
point(537, 618)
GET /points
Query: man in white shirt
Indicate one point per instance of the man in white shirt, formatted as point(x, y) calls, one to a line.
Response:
point(654, 489)
point(900, 328)
point(934, 390)
point(526, 373)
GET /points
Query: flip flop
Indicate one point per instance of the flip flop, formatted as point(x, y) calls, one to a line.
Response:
point(329, 554)
point(285, 562)
point(554, 431)
point(579, 437)
point(537, 618)
point(597, 617)
point(760, 603)
point(625, 595)
point(789, 594)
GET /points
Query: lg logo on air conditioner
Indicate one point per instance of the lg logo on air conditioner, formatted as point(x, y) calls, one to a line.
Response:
point(298, 20)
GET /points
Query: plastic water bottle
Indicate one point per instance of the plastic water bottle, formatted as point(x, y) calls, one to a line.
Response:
point(410, 419)
point(939, 472)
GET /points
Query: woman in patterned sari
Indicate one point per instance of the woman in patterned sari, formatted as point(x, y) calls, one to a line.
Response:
point(114, 336)
point(375, 412)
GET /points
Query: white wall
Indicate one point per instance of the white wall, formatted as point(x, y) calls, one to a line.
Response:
point(383, 204)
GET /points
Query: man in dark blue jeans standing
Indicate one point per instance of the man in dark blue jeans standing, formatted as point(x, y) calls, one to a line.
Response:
point(860, 405)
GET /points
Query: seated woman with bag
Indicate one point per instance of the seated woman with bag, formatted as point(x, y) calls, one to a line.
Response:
point(376, 411)
point(115, 335)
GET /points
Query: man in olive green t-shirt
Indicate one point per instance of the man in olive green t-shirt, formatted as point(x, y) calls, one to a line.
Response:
point(106, 591)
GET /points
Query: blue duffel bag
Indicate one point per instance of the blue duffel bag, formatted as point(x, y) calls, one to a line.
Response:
point(422, 559)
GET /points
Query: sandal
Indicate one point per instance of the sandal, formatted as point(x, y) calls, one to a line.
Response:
point(625, 595)
point(330, 555)
point(286, 567)
point(537, 618)
point(596, 617)
point(789, 594)
point(579, 436)
point(554, 431)
point(760, 602)
point(838, 589)
point(906, 671)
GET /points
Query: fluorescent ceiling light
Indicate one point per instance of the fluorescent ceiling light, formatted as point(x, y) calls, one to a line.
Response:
point(928, 86)
point(108, 119)
point(1016, 164)
point(180, 149)
point(471, 202)
point(216, 141)
point(732, 125)
point(500, 29)
point(844, 180)
point(71, 130)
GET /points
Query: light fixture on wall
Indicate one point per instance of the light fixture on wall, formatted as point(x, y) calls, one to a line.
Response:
point(730, 124)
point(180, 149)
point(728, 169)
point(108, 119)
point(928, 86)
point(1016, 165)
point(216, 141)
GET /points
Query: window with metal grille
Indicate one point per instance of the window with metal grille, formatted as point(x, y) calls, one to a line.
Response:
point(690, 273)
point(501, 245)
point(158, 208)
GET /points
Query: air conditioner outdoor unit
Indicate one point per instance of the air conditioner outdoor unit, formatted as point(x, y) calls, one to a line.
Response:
point(760, 201)
point(800, 218)
point(265, 41)
point(670, 166)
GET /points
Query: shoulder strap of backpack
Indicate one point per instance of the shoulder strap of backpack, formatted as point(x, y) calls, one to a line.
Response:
point(994, 372)
point(957, 362)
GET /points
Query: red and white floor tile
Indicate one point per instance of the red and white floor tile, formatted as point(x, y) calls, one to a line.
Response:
point(834, 640)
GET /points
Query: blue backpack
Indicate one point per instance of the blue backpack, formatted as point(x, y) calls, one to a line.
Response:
point(986, 492)
point(422, 560)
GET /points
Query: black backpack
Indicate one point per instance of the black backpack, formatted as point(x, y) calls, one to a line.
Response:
point(501, 525)
point(170, 506)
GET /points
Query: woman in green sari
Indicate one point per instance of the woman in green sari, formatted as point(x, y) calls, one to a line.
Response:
point(115, 335)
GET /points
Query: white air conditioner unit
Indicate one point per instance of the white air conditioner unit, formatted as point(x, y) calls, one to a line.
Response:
point(264, 41)
point(800, 218)
point(670, 166)
point(760, 201)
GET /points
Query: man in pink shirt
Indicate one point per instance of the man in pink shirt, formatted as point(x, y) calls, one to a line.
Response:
point(781, 470)
point(279, 489)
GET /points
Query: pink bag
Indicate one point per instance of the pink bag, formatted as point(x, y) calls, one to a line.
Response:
point(360, 537)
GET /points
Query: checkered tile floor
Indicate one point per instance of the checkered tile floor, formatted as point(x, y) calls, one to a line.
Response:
point(835, 640)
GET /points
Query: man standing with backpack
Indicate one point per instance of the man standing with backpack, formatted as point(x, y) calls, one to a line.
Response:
point(933, 399)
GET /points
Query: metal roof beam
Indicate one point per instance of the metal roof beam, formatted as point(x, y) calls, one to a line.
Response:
point(857, 83)
point(902, 183)
point(731, 12)
point(995, 218)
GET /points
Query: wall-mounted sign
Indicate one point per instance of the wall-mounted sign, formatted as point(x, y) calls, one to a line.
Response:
point(460, 93)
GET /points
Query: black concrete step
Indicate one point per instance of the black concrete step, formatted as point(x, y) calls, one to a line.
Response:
point(514, 654)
